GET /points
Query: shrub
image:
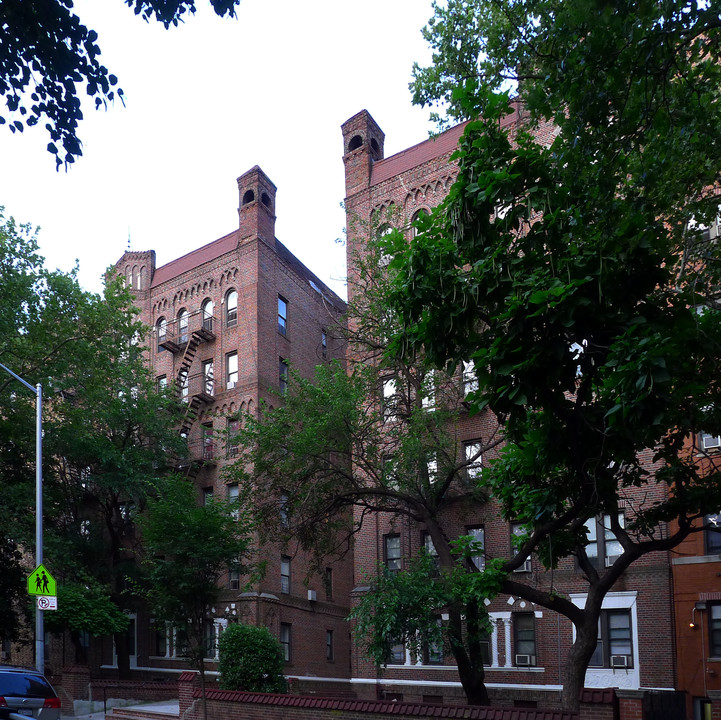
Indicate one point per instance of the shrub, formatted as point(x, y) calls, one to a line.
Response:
point(251, 659)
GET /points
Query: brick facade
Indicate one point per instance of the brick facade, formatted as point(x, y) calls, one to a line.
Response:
point(223, 320)
point(393, 190)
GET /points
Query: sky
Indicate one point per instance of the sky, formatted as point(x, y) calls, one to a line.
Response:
point(207, 101)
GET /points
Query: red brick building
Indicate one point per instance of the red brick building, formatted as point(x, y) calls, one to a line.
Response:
point(528, 646)
point(227, 322)
point(696, 570)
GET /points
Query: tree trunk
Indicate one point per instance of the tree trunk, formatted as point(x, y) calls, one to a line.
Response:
point(574, 672)
point(122, 653)
point(201, 667)
point(468, 659)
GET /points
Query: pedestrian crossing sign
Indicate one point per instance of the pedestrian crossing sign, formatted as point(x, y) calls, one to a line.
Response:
point(41, 582)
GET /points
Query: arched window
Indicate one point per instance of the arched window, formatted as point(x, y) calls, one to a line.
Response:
point(417, 215)
point(183, 326)
point(248, 197)
point(207, 312)
point(231, 308)
point(161, 330)
point(355, 142)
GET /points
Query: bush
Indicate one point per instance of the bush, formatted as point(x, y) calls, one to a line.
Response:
point(251, 659)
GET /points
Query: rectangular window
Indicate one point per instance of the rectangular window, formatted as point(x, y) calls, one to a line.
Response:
point(286, 641)
point(282, 376)
point(283, 507)
point(329, 645)
point(231, 437)
point(518, 530)
point(433, 651)
point(524, 639)
point(328, 583)
point(428, 400)
point(231, 370)
point(324, 344)
point(285, 575)
point(710, 442)
point(161, 383)
point(396, 653)
point(432, 467)
point(614, 645)
point(392, 551)
point(234, 579)
point(208, 442)
point(207, 495)
point(430, 549)
point(472, 455)
point(603, 548)
point(184, 385)
point(712, 533)
point(470, 379)
point(714, 630)
point(282, 316)
point(233, 500)
point(478, 558)
point(389, 401)
point(486, 648)
point(208, 382)
point(160, 639)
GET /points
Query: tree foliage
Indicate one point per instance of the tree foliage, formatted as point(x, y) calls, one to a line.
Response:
point(572, 261)
point(187, 549)
point(379, 438)
point(47, 54)
point(251, 659)
point(108, 435)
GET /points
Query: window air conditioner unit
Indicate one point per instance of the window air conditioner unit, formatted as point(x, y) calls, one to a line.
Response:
point(525, 660)
point(619, 661)
point(312, 595)
point(710, 441)
point(609, 560)
point(526, 567)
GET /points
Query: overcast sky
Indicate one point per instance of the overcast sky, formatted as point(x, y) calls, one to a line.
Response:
point(207, 101)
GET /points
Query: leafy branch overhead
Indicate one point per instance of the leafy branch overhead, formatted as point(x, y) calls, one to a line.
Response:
point(48, 56)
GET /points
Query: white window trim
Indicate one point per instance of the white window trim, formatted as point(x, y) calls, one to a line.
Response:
point(624, 678)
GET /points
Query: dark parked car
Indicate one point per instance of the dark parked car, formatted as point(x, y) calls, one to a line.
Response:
point(27, 692)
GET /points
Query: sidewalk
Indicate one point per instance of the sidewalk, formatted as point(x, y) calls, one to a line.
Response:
point(166, 707)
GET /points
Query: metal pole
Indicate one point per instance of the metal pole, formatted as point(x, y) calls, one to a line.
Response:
point(39, 617)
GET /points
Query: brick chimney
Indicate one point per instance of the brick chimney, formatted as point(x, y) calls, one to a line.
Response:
point(257, 206)
point(362, 146)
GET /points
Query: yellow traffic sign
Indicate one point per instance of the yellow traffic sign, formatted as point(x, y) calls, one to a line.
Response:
point(41, 582)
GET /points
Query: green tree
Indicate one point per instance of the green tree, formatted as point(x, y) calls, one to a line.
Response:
point(251, 659)
point(187, 549)
point(107, 434)
point(46, 53)
point(379, 438)
point(575, 263)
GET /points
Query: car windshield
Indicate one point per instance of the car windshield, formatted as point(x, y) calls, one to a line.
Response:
point(20, 685)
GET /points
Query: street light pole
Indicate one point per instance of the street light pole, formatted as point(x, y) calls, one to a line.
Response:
point(39, 618)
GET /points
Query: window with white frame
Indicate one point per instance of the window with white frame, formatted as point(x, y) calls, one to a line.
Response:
point(208, 377)
point(231, 437)
point(231, 370)
point(207, 314)
point(234, 579)
point(614, 647)
point(231, 308)
point(162, 382)
point(183, 320)
point(710, 442)
point(396, 653)
point(430, 550)
point(207, 495)
point(433, 650)
point(161, 329)
point(323, 344)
